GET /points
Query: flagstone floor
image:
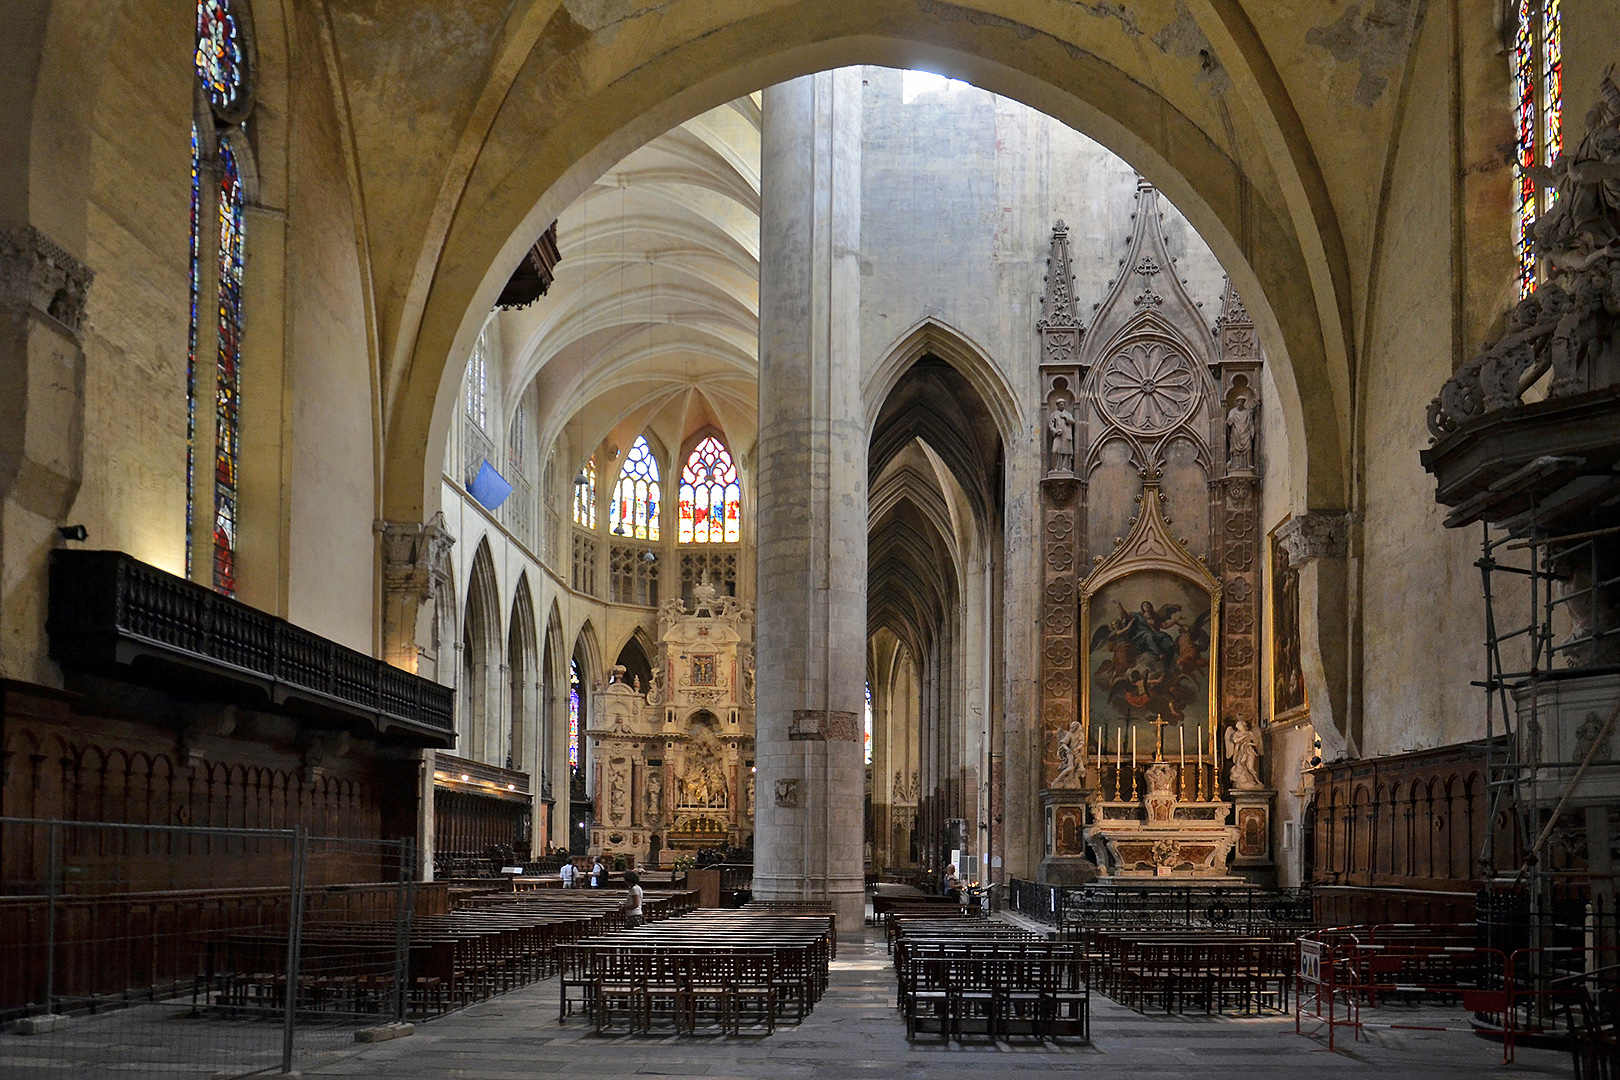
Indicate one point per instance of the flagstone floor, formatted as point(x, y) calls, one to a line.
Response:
point(856, 1032)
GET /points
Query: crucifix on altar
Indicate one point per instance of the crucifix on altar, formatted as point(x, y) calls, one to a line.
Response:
point(1160, 723)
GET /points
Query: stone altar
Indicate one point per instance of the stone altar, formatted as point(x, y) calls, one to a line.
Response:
point(1162, 834)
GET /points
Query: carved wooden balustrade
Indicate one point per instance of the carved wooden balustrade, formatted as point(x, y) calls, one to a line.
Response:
point(112, 613)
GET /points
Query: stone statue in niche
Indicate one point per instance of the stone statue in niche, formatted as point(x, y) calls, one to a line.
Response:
point(1243, 755)
point(1240, 435)
point(655, 795)
point(617, 798)
point(1068, 753)
point(1061, 430)
point(748, 794)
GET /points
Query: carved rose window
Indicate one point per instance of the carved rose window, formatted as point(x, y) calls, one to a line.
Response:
point(1149, 387)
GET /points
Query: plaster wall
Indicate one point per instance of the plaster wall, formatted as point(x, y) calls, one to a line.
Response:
point(1422, 619)
point(133, 497)
point(332, 562)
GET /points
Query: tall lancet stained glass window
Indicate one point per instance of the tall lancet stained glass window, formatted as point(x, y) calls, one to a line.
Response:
point(1538, 115)
point(228, 380)
point(585, 495)
point(218, 199)
point(636, 496)
point(574, 689)
point(711, 499)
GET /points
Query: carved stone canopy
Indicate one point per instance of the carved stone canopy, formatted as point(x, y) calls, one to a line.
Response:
point(1320, 534)
point(414, 555)
point(37, 274)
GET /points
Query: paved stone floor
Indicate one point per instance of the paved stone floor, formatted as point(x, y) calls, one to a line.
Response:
point(856, 1032)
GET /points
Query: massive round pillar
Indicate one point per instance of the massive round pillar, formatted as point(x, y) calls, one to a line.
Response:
point(811, 629)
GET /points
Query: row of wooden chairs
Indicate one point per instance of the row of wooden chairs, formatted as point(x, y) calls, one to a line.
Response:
point(710, 970)
point(960, 978)
point(491, 944)
point(1182, 971)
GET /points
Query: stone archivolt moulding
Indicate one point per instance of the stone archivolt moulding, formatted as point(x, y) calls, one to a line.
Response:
point(37, 274)
point(1320, 534)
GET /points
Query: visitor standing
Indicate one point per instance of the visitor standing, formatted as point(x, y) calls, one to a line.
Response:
point(632, 900)
point(597, 871)
point(568, 873)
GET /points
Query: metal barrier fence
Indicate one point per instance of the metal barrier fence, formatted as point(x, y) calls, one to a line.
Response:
point(156, 950)
point(1347, 973)
point(1182, 905)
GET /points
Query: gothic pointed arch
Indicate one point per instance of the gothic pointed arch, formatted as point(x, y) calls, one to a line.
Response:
point(479, 702)
point(931, 336)
point(637, 656)
point(523, 674)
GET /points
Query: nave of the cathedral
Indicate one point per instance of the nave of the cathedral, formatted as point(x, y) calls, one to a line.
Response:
point(1101, 511)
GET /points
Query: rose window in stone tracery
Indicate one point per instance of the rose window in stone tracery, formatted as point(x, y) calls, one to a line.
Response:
point(1148, 387)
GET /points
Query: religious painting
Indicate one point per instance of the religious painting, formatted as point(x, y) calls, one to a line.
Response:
point(1287, 678)
point(1149, 660)
point(1070, 834)
point(1252, 839)
point(703, 670)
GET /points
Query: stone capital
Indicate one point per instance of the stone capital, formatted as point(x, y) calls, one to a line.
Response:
point(412, 553)
point(1319, 534)
point(37, 275)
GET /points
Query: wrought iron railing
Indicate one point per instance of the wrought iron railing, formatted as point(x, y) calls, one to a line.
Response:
point(109, 610)
point(1183, 905)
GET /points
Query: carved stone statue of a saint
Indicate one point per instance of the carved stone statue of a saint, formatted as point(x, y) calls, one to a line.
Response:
point(1061, 431)
point(1240, 435)
point(618, 796)
point(1243, 757)
point(1068, 754)
point(655, 795)
point(748, 795)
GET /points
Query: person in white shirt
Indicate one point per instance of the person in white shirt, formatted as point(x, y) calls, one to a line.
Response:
point(568, 873)
point(632, 900)
point(596, 873)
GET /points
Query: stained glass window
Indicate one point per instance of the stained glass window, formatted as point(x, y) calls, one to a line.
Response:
point(228, 382)
point(573, 714)
point(478, 381)
point(1552, 82)
point(220, 63)
point(585, 495)
point(1538, 110)
point(191, 349)
point(636, 496)
point(516, 436)
point(869, 723)
point(711, 499)
point(217, 198)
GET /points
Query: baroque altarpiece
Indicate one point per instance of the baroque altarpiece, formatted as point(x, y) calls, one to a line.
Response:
point(1150, 556)
point(672, 763)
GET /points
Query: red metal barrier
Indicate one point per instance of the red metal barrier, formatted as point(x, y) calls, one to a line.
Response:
point(1346, 969)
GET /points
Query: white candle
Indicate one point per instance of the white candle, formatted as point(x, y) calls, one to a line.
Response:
point(1099, 744)
point(1181, 742)
point(1133, 746)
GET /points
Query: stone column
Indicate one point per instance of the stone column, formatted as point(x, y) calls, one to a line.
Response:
point(811, 636)
point(42, 304)
point(1318, 544)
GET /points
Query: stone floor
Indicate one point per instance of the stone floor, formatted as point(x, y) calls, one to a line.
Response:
point(856, 1032)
